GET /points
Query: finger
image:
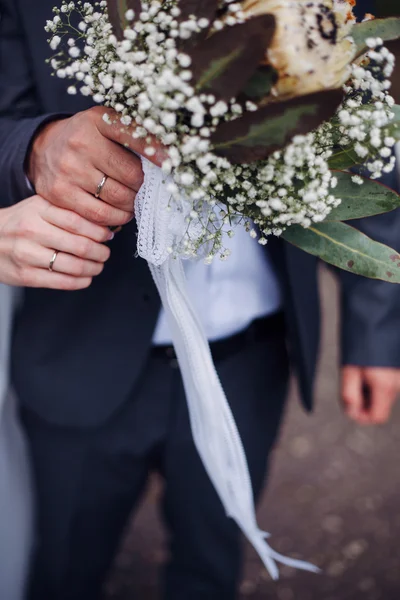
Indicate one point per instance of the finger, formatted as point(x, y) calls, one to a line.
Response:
point(92, 209)
point(39, 278)
point(30, 254)
point(119, 164)
point(122, 134)
point(78, 267)
point(114, 193)
point(77, 245)
point(352, 393)
point(383, 391)
point(72, 222)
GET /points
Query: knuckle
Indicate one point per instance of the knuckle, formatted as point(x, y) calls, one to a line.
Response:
point(67, 165)
point(95, 113)
point(78, 268)
point(114, 129)
point(19, 251)
point(77, 141)
point(97, 214)
point(73, 221)
point(57, 188)
point(27, 226)
point(83, 247)
point(120, 195)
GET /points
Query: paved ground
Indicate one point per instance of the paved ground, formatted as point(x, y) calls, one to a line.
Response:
point(333, 497)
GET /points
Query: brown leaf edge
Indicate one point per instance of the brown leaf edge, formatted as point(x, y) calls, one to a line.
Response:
point(224, 62)
point(116, 14)
point(255, 136)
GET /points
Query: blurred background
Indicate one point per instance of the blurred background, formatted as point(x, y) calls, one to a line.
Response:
point(333, 498)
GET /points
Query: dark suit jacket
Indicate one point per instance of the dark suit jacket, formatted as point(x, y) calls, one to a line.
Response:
point(77, 356)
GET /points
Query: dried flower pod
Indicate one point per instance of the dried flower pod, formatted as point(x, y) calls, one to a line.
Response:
point(311, 50)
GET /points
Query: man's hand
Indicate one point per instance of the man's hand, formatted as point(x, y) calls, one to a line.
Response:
point(69, 158)
point(368, 393)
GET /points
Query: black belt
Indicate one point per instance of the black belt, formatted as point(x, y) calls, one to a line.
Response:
point(258, 331)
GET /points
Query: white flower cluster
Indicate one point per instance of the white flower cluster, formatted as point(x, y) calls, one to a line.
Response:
point(364, 125)
point(146, 78)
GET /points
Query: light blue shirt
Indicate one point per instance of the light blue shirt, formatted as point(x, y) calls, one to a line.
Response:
point(230, 294)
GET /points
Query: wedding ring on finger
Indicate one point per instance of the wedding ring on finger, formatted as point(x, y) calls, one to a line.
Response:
point(101, 186)
point(53, 260)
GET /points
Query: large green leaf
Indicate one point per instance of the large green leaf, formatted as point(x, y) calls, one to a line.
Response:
point(257, 134)
point(224, 62)
point(387, 29)
point(370, 198)
point(347, 248)
point(116, 12)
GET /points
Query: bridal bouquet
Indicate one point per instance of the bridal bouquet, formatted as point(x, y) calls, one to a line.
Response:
point(264, 108)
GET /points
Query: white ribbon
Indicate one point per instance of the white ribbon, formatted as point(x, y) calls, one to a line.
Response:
point(214, 430)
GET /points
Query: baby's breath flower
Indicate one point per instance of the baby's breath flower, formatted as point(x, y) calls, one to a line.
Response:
point(147, 79)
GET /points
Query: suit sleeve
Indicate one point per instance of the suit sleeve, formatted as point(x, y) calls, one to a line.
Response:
point(20, 111)
point(371, 308)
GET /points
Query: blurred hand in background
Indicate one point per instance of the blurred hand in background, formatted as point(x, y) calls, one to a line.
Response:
point(369, 393)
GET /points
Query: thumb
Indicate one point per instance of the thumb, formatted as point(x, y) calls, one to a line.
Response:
point(352, 392)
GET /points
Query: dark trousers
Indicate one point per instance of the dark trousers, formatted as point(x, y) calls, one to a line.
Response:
point(88, 480)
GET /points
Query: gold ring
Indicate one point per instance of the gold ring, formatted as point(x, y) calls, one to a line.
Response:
point(53, 260)
point(100, 186)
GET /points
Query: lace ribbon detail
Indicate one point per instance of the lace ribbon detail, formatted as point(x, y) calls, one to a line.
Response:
point(161, 227)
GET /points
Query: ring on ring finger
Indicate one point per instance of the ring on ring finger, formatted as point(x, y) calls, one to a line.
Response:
point(53, 260)
point(100, 187)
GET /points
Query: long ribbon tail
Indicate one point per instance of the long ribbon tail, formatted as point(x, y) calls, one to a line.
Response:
point(214, 429)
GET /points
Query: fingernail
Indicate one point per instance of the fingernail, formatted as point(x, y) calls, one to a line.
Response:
point(111, 236)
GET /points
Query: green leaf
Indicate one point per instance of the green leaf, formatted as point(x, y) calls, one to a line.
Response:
point(116, 13)
point(223, 63)
point(260, 84)
point(358, 201)
point(395, 124)
point(256, 135)
point(347, 248)
point(396, 110)
point(387, 29)
point(344, 158)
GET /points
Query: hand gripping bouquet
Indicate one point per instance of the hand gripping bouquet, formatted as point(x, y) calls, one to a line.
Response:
point(264, 108)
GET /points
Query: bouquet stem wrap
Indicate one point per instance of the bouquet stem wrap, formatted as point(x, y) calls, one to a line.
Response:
point(213, 427)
